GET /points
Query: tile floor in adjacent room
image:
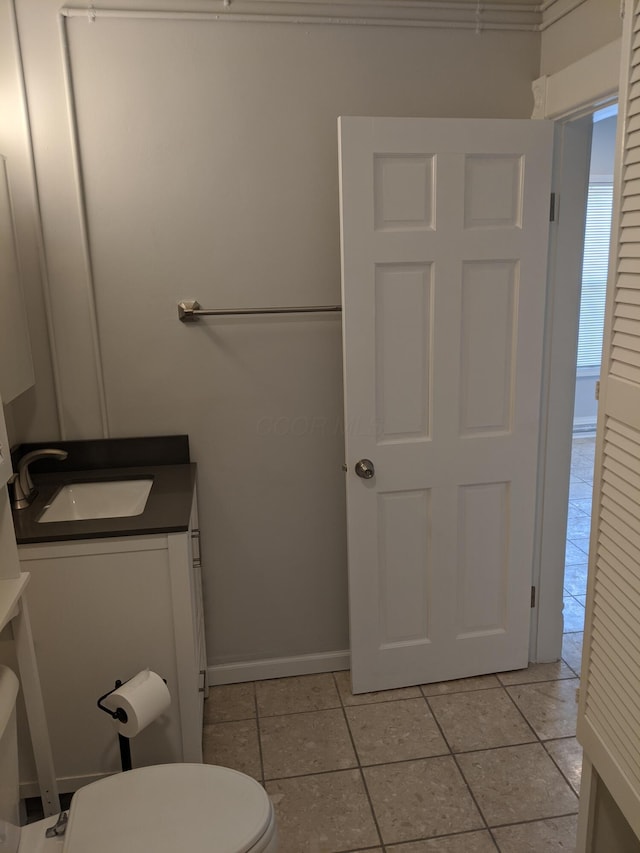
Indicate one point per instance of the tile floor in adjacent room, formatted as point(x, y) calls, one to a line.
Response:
point(578, 528)
point(470, 766)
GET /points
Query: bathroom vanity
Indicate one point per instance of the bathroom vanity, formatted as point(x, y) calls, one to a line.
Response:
point(109, 597)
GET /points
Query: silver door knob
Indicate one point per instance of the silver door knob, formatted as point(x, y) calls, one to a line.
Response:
point(364, 468)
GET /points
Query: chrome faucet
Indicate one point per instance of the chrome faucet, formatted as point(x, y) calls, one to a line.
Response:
point(24, 491)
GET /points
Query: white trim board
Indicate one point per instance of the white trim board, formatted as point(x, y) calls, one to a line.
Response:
point(583, 85)
point(572, 93)
point(258, 670)
point(448, 14)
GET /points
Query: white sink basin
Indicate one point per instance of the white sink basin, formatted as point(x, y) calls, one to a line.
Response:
point(104, 499)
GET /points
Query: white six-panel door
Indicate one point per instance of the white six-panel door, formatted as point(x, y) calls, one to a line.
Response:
point(444, 255)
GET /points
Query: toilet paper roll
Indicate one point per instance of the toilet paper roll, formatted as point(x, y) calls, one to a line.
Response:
point(143, 698)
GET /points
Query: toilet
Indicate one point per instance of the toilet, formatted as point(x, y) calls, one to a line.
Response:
point(198, 808)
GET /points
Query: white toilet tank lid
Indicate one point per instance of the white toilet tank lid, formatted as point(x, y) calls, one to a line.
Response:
point(167, 808)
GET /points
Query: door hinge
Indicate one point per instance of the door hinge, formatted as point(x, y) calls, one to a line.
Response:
point(533, 596)
point(597, 389)
point(552, 208)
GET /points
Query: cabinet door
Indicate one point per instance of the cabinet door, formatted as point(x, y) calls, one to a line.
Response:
point(101, 610)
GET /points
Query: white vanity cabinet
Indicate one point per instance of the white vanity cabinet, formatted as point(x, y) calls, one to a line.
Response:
point(104, 609)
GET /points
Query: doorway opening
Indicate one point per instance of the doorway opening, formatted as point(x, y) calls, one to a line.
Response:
point(591, 325)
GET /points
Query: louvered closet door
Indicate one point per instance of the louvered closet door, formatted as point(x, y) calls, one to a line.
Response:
point(609, 717)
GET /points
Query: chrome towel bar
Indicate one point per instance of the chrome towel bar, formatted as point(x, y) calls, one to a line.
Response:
point(190, 311)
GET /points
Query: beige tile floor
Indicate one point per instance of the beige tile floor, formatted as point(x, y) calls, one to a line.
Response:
point(469, 766)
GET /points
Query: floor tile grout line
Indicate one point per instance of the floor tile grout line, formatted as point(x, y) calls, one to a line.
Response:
point(410, 760)
point(533, 820)
point(471, 794)
point(539, 738)
point(542, 742)
point(560, 770)
point(521, 712)
point(577, 674)
point(255, 701)
point(391, 848)
point(359, 766)
point(491, 827)
point(541, 681)
point(494, 839)
point(501, 746)
point(457, 763)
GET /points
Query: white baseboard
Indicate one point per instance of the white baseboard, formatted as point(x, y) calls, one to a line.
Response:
point(257, 670)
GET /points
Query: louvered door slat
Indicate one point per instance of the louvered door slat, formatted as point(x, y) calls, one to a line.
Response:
point(626, 372)
point(609, 712)
point(622, 430)
point(628, 296)
point(620, 504)
point(616, 467)
point(628, 356)
point(631, 235)
point(612, 589)
point(614, 552)
point(625, 342)
point(609, 720)
point(623, 505)
point(599, 718)
point(632, 156)
point(613, 673)
point(614, 515)
point(626, 327)
point(630, 249)
point(632, 219)
point(619, 631)
point(629, 265)
point(631, 202)
point(632, 187)
point(619, 715)
point(628, 311)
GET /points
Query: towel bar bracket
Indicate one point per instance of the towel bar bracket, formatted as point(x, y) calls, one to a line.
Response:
point(190, 310)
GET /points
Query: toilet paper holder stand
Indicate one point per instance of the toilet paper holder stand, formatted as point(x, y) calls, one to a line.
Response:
point(121, 716)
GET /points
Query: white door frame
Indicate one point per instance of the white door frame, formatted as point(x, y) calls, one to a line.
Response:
point(569, 97)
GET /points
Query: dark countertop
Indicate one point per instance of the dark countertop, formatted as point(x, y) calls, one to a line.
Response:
point(168, 506)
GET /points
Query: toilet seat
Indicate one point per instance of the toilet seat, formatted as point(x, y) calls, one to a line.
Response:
point(170, 807)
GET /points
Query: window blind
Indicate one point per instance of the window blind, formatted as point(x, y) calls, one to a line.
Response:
point(594, 274)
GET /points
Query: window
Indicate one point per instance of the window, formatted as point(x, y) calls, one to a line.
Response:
point(594, 274)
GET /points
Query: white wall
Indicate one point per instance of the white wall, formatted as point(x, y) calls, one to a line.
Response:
point(580, 28)
point(210, 167)
point(32, 414)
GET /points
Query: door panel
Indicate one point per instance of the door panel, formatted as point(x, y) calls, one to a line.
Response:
point(444, 229)
point(609, 711)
